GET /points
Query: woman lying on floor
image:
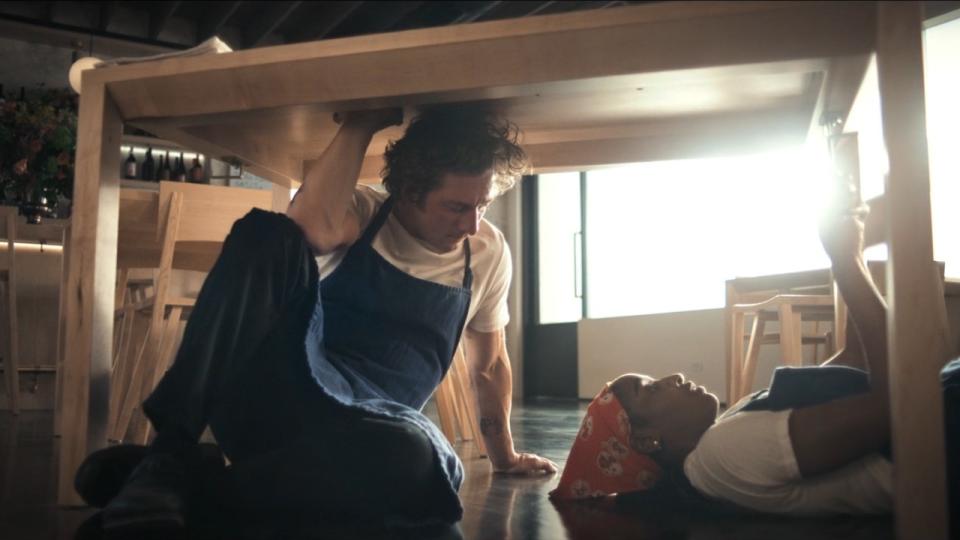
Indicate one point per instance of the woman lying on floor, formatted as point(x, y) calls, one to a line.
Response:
point(815, 443)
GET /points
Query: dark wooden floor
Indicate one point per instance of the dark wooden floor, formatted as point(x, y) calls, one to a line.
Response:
point(496, 507)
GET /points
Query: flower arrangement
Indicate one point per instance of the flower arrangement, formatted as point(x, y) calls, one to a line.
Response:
point(38, 140)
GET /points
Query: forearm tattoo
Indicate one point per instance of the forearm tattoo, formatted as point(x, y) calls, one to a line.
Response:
point(491, 426)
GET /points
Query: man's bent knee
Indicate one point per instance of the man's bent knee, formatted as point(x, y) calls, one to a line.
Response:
point(263, 237)
point(397, 455)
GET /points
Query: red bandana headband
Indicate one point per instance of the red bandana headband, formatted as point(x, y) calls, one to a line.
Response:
point(601, 461)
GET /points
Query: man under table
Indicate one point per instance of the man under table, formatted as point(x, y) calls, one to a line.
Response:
point(312, 377)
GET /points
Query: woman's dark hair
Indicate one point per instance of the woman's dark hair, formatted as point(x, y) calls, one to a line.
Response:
point(674, 495)
point(452, 139)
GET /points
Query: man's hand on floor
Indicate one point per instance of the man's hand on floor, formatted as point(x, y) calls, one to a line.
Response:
point(524, 463)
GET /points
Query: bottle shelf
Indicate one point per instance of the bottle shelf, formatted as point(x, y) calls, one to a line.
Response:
point(138, 145)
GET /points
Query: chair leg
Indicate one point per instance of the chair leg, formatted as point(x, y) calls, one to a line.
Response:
point(153, 367)
point(790, 336)
point(11, 365)
point(120, 300)
point(463, 393)
point(164, 359)
point(466, 396)
point(143, 364)
point(126, 360)
point(816, 346)
point(745, 384)
point(735, 369)
point(61, 334)
point(445, 408)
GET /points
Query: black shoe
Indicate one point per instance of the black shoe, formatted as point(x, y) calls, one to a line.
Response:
point(154, 498)
point(91, 528)
point(102, 475)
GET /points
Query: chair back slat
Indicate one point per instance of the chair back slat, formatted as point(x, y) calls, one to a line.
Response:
point(209, 211)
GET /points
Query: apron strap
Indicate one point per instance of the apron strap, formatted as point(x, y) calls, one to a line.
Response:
point(467, 272)
point(378, 220)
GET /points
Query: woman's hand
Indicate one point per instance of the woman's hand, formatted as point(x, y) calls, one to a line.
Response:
point(529, 464)
point(841, 227)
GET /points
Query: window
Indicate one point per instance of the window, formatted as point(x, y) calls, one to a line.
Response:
point(558, 248)
point(942, 86)
point(664, 236)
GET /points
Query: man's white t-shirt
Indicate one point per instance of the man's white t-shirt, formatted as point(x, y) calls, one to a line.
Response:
point(747, 459)
point(490, 261)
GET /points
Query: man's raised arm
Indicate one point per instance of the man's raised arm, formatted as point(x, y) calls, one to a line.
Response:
point(321, 206)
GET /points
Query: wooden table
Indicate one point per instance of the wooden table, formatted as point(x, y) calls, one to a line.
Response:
point(659, 81)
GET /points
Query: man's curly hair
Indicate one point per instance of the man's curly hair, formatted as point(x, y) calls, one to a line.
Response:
point(452, 139)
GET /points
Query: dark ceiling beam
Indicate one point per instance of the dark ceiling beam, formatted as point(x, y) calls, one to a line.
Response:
point(509, 10)
point(159, 18)
point(130, 45)
point(567, 6)
point(48, 10)
point(333, 16)
point(540, 8)
point(214, 19)
point(105, 15)
point(474, 14)
point(391, 16)
point(268, 21)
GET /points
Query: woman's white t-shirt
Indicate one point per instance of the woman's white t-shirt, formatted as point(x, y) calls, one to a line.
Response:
point(490, 261)
point(748, 459)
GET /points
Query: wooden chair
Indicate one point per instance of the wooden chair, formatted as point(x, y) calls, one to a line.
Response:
point(790, 299)
point(191, 220)
point(802, 295)
point(8, 278)
point(819, 303)
point(790, 311)
point(456, 404)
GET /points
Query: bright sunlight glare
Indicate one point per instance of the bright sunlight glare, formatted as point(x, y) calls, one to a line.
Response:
point(664, 236)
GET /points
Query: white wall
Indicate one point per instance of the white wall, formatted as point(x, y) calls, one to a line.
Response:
point(658, 345)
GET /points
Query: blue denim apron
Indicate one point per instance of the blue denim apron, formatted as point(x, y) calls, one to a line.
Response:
point(381, 340)
point(796, 387)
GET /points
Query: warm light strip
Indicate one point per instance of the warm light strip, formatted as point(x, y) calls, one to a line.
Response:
point(140, 151)
point(32, 247)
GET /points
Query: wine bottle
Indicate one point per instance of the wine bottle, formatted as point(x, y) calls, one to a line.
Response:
point(130, 166)
point(196, 172)
point(180, 175)
point(148, 169)
point(164, 173)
